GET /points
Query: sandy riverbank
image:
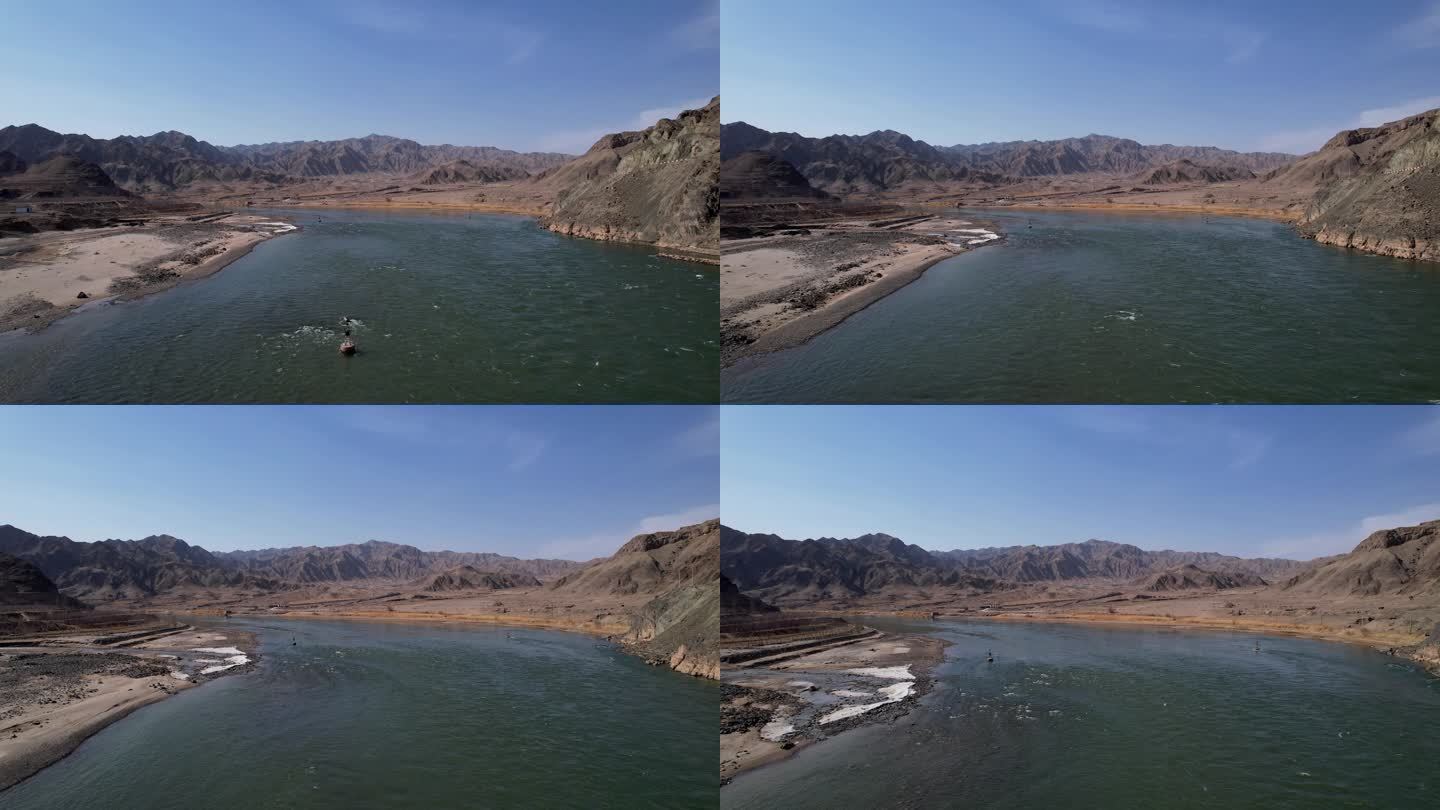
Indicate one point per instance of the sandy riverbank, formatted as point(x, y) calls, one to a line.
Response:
point(49, 275)
point(777, 292)
point(769, 712)
point(55, 695)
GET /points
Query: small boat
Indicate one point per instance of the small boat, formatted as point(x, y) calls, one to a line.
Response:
point(347, 347)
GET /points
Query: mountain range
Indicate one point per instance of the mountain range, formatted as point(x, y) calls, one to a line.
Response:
point(130, 569)
point(793, 572)
point(170, 160)
point(887, 160)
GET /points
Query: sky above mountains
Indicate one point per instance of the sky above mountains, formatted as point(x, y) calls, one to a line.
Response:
point(567, 482)
point(1274, 76)
point(1273, 481)
point(548, 75)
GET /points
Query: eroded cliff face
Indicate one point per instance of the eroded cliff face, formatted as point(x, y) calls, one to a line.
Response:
point(659, 186)
point(1378, 189)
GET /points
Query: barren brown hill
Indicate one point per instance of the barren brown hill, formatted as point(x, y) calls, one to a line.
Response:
point(23, 584)
point(1193, 577)
point(1377, 189)
point(659, 186)
point(675, 576)
point(63, 176)
point(1188, 171)
point(470, 578)
point(1403, 561)
point(758, 175)
point(463, 171)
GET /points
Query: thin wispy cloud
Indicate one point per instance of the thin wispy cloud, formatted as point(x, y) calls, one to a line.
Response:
point(1312, 138)
point(1170, 429)
point(518, 43)
point(702, 440)
point(699, 33)
point(1421, 32)
point(1345, 538)
point(576, 141)
point(1239, 43)
point(603, 544)
point(521, 448)
point(1424, 438)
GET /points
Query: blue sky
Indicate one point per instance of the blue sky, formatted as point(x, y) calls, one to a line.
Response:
point(546, 75)
point(1282, 75)
point(572, 482)
point(1294, 482)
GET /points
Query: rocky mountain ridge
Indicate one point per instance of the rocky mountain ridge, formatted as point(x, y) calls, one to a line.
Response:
point(888, 160)
point(794, 572)
point(167, 161)
point(129, 569)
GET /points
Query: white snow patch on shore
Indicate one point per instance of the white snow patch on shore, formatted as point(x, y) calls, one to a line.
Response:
point(776, 729)
point(901, 673)
point(850, 693)
point(178, 675)
point(898, 691)
point(894, 693)
point(233, 658)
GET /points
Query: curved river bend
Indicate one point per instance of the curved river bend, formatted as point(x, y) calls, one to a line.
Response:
point(377, 715)
point(1082, 716)
point(450, 309)
point(1110, 308)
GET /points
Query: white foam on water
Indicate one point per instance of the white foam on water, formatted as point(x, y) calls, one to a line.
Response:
point(1123, 315)
point(890, 673)
point(776, 729)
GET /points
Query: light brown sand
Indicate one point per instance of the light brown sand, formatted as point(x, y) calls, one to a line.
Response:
point(44, 734)
point(41, 276)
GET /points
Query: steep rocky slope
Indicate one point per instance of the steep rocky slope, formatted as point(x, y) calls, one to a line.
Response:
point(1377, 189)
point(1403, 561)
point(658, 186)
point(674, 578)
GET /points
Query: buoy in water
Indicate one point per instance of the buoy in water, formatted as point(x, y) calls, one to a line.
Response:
point(347, 347)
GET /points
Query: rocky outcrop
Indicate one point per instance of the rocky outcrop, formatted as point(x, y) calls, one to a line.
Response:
point(676, 574)
point(1377, 189)
point(1404, 561)
point(659, 186)
point(463, 171)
